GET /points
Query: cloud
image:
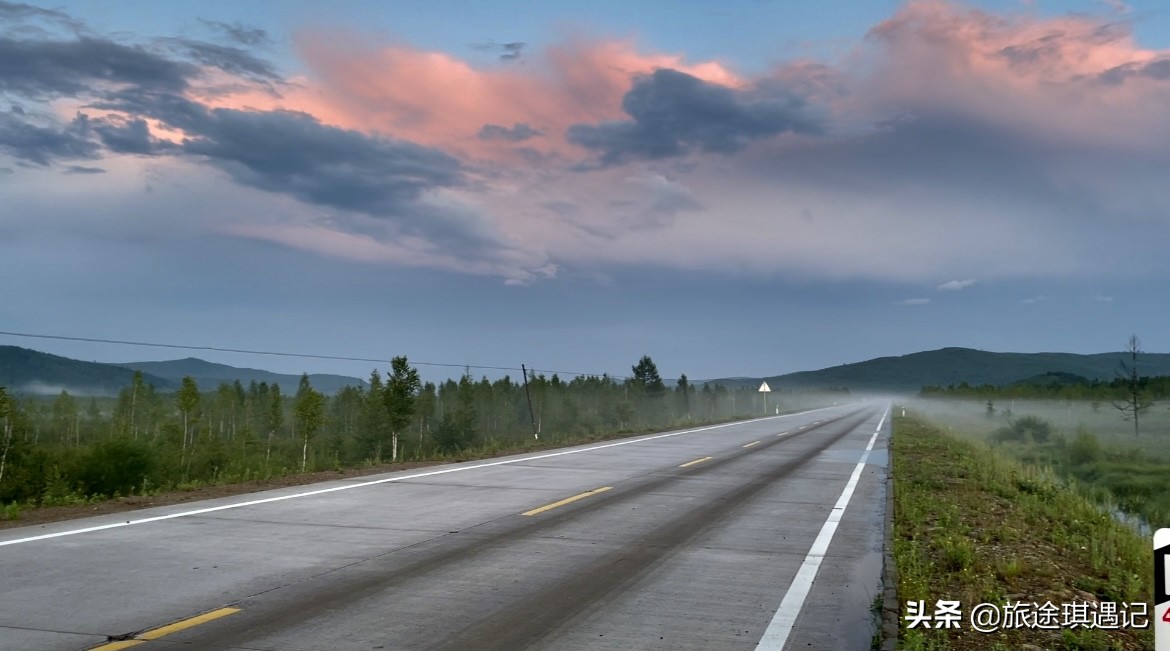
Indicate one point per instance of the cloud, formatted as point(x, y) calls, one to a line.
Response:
point(45, 69)
point(128, 136)
point(437, 99)
point(43, 145)
point(19, 12)
point(238, 32)
point(80, 169)
point(294, 154)
point(673, 113)
point(232, 60)
point(956, 285)
point(1033, 300)
point(913, 301)
point(951, 139)
point(518, 133)
point(508, 52)
point(156, 101)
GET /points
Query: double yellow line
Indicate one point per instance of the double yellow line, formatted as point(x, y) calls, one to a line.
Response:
point(155, 633)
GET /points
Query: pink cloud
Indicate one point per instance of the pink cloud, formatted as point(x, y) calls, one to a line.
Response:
point(1043, 75)
point(437, 99)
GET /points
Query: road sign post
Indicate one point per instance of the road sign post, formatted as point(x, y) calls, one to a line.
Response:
point(1162, 590)
point(765, 389)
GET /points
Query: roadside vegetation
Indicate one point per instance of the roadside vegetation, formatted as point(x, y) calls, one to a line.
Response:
point(976, 525)
point(67, 451)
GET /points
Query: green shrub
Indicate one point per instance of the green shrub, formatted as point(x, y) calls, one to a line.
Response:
point(1023, 430)
point(1084, 449)
point(115, 467)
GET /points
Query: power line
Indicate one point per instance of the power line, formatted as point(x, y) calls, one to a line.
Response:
point(302, 355)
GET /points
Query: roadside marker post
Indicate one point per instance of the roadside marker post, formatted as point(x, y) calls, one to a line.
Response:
point(1162, 590)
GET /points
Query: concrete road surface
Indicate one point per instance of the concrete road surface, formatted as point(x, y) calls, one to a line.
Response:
point(765, 534)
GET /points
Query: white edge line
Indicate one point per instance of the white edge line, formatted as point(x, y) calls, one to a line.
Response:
point(776, 635)
point(321, 491)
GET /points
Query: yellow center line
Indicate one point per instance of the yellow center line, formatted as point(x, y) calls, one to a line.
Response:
point(567, 500)
point(751, 444)
point(691, 463)
point(155, 633)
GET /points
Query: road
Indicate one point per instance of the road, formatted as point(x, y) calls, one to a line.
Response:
point(765, 534)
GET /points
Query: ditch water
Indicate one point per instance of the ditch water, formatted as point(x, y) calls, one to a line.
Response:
point(1135, 522)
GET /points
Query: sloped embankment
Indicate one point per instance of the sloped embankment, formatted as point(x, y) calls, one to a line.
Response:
point(976, 527)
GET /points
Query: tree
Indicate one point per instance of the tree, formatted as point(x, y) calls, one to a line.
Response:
point(1134, 400)
point(309, 415)
point(402, 389)
point(684, 389)
point(126, 414)
point(646, 390)
point(373, 424)
point(66, 417)
point(188, 398)
point(458, 430)
point(274, 416)
point(646, 378)
point(6, 409)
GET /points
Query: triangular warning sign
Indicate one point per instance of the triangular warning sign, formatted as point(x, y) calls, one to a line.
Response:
point(764, 388)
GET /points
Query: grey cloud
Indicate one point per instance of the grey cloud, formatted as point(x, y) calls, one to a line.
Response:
point(1158, 70)
point(666, 199)
point(518, 133)
point(379, 186)
point(47, 69)
point(128, 136)
point(16, 12)
point(508, 52)
point(512, 51)
point(41, 145)
point(232, 60)
point(294, 154)
point(673, 113)
point(238, 32)
point(79, 169)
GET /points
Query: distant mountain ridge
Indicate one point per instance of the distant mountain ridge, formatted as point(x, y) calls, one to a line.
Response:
point(210, 374)
point(954, 366)
point(26, 371)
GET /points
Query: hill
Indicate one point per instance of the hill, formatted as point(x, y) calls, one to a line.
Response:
point(210, 374)
point(954, 366)
point(25, 371)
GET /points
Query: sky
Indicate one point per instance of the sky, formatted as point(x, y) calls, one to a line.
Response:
point(745, 189)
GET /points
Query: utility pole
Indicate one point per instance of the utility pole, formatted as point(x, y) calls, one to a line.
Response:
point(531, 413)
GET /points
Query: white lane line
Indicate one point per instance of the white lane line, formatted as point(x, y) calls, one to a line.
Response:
point(334, 489)
point(776, 635)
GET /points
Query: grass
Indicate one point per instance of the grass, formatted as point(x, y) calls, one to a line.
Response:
point(976, 526)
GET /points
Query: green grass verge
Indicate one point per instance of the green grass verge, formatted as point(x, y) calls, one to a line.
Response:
point(975, 526)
